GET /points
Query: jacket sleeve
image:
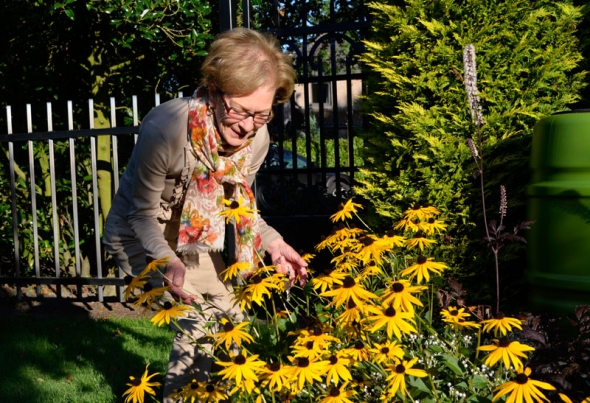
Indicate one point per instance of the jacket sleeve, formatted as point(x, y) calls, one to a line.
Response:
point(158, 150)
point(260, 146)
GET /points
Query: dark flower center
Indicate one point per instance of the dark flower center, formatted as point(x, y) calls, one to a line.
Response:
point(309, 345)
point(136, 382)
point(367, 240)
point(210, 388)
point(419, 234)
point(431, 220)
point(128, 279)
point(335, 392)
point(348, 282)
point(194, 385)
point(234, 205)
point(228, 326)
point(400, 369)
point(317, 331)
point(333, 360)
point(453, 311)
point(275, 366)
point(256, 279)
point(346, 249)
point(327, 271)
point(390, 233)
point(416, 207)
point(390, 312)
point(341, 226)
point(351, 304)
point(384, 350)
point(422, 259)
point(303, 362)
point(240, 359)
point(521, 379)
point(398, 287)
point(341, 207)
point(167, 305)
point(504, 342)
point(147, 287)
point(500, 316)
point(359, 345)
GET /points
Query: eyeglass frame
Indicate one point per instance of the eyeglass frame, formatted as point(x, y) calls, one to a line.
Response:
point(231, 109)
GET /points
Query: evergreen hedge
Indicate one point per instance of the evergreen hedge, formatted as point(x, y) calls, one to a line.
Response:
point(415, 147)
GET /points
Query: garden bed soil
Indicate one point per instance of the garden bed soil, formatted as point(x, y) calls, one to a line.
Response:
point(49, 304)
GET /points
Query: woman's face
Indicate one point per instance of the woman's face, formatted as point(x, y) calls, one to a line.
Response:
point(238, 117)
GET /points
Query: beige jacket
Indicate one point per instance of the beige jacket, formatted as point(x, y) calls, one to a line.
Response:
point(150, 190)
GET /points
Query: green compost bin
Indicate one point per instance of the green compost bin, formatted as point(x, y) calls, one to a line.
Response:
point(558, 272)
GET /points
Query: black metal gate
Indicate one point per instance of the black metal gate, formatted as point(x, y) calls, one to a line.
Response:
point(311, 163)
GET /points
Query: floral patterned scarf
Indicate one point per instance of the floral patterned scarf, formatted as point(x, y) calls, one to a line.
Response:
point(202, 228)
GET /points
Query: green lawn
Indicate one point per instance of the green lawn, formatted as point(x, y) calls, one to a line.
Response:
point(77, 359)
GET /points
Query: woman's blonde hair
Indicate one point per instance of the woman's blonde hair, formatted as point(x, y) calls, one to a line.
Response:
point(242, 60)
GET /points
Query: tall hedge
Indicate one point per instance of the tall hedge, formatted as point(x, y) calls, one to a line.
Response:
point(416, 149)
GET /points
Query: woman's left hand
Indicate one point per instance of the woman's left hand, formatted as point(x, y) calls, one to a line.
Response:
point(287, 261)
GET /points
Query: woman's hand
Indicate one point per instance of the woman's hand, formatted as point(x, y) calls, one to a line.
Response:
point(174, 278)
point(287, 261)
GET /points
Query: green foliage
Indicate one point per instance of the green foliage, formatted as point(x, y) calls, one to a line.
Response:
point(415, 149)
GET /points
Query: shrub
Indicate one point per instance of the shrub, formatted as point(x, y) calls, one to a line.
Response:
point(415, 149)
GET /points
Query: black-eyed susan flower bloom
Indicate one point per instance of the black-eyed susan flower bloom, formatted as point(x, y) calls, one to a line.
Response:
point(169, 310)
point(386, 352)
point(432, 226)
point(327, 279)
point(523, 389)
point(422, 268)
point(243, 370)
point(154, 265)
point(420, 241)
point(502, 324)
point(507, 351)
point(346, 210)
point(140, 386)
point(318, 334)
point(358, 352)
point(190, 392)
point(396, 322)
point(257, 287)
point(349, 290)
point(392, 240)
point(453, 314)
point(338, 368)
point(399, 295)
point(355, 313)
point(212, 392)
point(234, 270)
point(397, 379)
point(230, 333)
point(337, 394)
point(132, 284)
point(149, 295)
point(275, 377)
point(371, 269)
point(420, 212)
point(304, 370)
point(236, 210)
point(369, 247)
point(408, 224)
point(308, 349)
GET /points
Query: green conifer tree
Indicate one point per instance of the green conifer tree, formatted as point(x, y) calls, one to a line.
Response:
point(415, 147)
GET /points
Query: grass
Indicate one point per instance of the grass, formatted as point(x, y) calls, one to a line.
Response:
point(58, 360)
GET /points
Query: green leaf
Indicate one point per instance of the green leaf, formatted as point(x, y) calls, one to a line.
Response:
point(452, 363)
point(70, 13)
point(419, 384)
point(479, 382)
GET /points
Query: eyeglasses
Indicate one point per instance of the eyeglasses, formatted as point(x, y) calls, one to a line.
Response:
point(239, 114)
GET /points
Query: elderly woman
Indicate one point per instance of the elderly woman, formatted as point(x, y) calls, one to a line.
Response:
point(194, 158)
